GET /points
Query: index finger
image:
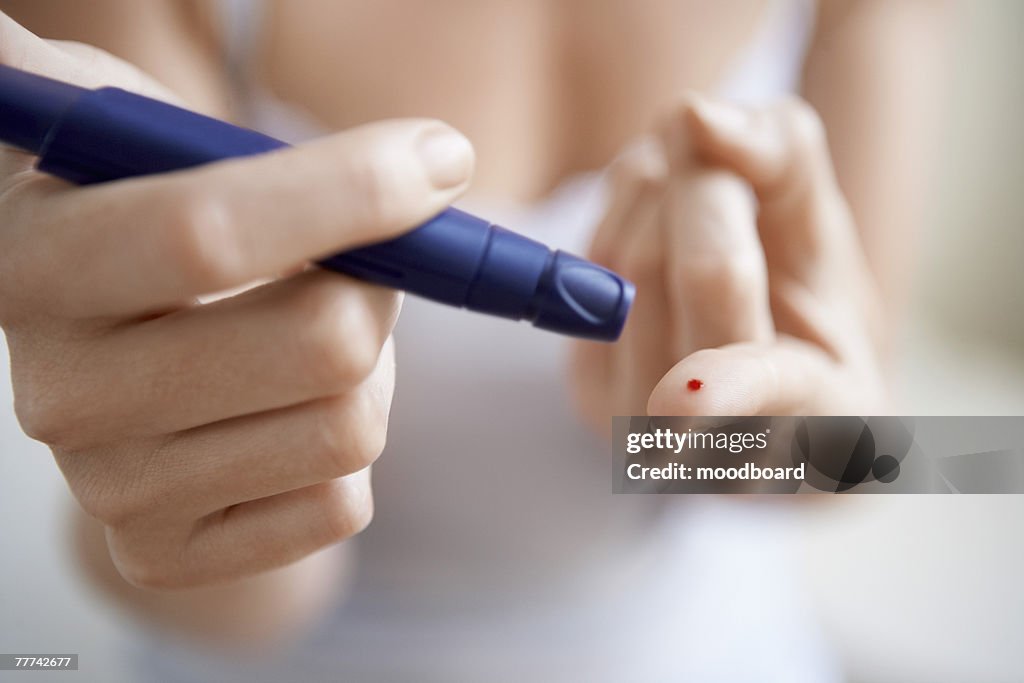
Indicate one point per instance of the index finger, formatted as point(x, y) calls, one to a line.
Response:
point(148, 243)
point(781, 378)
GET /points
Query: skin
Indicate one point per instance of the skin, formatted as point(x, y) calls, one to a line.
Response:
point(230, 494)
point(767, 300)
point(255, 469)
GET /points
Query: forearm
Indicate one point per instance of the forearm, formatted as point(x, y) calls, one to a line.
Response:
point(266, 608)
point(874, 74)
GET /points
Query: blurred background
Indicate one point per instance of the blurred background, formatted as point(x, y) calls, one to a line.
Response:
point(924, 588)
point(929, 588)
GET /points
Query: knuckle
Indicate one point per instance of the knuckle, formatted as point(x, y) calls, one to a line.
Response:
point(743, 273)
point(805, 123)
point(150, 577)
point(36, 418)
point(369, 177)
point(157, 559)
point(648, 183)
point(341, 339)
point(641, 170)
point(51, 406)
point(371, 434)
point(43, 417)
point(142, 570)
point(730, 279)
point(110, 507)
point(202, 241)
point(346, 513)
point(352, 435)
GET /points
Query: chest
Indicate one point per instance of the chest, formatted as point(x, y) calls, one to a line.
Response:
point(542, 87)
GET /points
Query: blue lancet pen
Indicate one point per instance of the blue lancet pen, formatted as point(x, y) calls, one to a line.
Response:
point(93, 136)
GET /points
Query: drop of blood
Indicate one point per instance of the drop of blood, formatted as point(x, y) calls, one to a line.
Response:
point(695, 385)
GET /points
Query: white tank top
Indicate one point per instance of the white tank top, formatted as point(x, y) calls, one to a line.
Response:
point(497, 551)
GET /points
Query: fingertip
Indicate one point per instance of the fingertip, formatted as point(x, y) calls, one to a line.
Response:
point(711, 131)
point(711, 382)
point(716, 121)
point(447, 155)
point(672, 396)
point(748, 142)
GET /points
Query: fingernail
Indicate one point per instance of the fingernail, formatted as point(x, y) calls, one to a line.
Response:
point(447, 156)
point(723, 117)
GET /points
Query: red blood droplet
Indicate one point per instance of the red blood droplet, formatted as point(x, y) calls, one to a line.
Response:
point(695, 385)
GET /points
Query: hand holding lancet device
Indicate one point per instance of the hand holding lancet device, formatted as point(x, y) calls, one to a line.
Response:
point(92, 136)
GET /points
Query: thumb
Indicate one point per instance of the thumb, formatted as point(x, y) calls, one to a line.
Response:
point(77, 63)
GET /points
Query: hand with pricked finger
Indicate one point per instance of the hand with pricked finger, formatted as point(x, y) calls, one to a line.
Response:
point(754, 296)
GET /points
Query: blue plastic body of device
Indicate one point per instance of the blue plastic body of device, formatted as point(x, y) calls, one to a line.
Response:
point(92, 136)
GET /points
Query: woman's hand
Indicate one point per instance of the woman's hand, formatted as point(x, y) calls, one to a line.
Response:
point(753, 293)
point(212, 441)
